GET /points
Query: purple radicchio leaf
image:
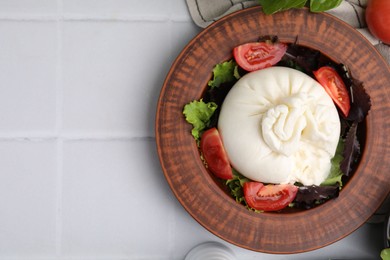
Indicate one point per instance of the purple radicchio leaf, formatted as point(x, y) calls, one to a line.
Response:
point(301, 58)
point(310, 196)
point(360, 100)
point(351, 150)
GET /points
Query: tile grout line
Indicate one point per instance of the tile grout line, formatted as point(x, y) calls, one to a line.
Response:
point(72, 137)
point(92, 17)
point(59, 125)
point(59, 192)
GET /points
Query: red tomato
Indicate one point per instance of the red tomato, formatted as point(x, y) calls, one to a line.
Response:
point(269, 197)
point(258, 55)
point(335, 87)
point(378, 19)
point(215, 155)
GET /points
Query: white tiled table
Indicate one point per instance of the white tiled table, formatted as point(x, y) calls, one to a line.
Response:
point(79, 173)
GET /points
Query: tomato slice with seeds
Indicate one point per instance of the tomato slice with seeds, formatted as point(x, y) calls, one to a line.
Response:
point(335, 87)
point(214, 153)
point(269, 197)
point(259, 55)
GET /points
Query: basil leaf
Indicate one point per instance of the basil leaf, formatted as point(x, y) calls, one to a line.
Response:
point(273, 6)
point(323, 5)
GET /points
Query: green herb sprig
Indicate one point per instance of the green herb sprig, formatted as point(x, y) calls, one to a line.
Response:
point(272, 6)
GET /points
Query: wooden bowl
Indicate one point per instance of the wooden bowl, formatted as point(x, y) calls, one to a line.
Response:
point(197, 190)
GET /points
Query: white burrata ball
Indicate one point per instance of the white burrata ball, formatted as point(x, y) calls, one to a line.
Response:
point(278, 125)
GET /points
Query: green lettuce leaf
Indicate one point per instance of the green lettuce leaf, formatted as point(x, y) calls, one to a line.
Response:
point(223, 72)
point(236, 186)
point(336, 174)
point(236, 73)
point(199, 113)
point(385, 254)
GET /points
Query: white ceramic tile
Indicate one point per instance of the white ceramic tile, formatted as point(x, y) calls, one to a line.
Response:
point(28, 6)
point(184, 32)
point(116, 201)
point(27, 198)
point(180, 11)
point(118, 7)
point(28, 76)
point(184, 226)
point(113, 73)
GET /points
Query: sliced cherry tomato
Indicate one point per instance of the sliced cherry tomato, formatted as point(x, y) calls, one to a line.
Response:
point(335, 87)
point(214, 153)
point(269, 197)
point(259, 55)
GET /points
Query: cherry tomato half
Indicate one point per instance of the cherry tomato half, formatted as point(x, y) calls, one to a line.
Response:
point(258, 55)
point(269, 197)
point(214, 153)
point(335, 87)
point(378, 19)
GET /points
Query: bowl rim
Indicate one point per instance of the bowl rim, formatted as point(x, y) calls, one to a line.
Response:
point(218, 191)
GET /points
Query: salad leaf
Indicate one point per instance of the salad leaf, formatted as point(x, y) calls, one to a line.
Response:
point(301, 58)
point(236, 186)
point(273, 6)
point(351, 151)
point(198, 113)
point(323, 5)
point(360, 100)
point(336, 174)
point(385, 254)
point(310, 196)
point(236, 73)
point(224, 72)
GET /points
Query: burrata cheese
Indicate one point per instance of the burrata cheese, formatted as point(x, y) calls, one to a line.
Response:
point(278, 125)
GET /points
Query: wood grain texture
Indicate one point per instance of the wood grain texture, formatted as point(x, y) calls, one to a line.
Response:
point(197, 190)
